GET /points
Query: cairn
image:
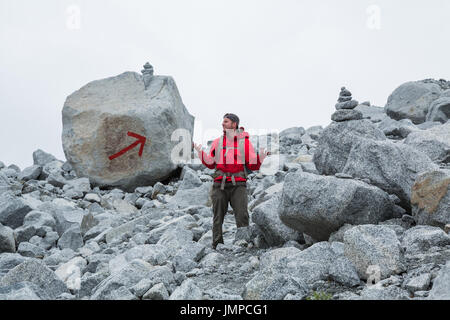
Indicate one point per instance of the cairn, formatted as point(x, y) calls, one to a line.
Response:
point(147, 74)
point(345, 107)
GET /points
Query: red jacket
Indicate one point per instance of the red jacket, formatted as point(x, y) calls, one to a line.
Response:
point(232, 162)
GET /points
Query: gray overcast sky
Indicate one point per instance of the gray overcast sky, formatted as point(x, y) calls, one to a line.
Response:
point(277, 64)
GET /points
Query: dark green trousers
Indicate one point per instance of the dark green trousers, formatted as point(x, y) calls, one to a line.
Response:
point(237, 197)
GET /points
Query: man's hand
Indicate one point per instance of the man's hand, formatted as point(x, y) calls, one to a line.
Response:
point(197, 147)
point(263, 154)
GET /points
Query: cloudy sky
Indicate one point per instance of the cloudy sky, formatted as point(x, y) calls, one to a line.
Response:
point(277, 64)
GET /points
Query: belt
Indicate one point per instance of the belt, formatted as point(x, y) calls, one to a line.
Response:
point(218, 184)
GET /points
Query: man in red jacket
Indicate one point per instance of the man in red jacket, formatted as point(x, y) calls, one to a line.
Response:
point(231, 155)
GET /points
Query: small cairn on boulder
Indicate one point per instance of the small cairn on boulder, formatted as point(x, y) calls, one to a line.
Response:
point(345, 107)
point(147, 74)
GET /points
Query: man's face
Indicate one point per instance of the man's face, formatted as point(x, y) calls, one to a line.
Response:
point(228, 124)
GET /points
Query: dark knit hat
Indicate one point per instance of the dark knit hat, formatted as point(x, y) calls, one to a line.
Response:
point(233, 118)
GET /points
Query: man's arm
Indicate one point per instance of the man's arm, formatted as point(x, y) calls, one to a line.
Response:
point(252, 159)
point(208, 160)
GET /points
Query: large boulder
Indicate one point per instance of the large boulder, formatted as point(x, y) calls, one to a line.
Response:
point(98, 116)
point(336, 141)
point(430, 198)
point(266, 217)
point(320, 205)
point(373, 248)
point(412, 100)
point(389, 166)
point(434, 142)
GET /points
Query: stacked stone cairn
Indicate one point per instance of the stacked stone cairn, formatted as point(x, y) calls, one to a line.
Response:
point(345, 107)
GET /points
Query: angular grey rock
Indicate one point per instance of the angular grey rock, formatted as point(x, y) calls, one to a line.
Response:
point(373, 113)
point(175, 239)
point(67, 167)
point(397, 129)
point(67, 218)
point(292, 135)
point(434, 142)
point(97, 117)
point(70, 272)
point(56, 179)
point(88, 222)
point(144, 190)
point(377, 292)
point(389, 166)
point(154, 254)
point(122, 293)
point(275, 232)
point(336, 141)
point(319, 205)
point(118, 232)
point(12, 210)
point(298, 271)
point(128, 276)
point(59, 256)
point(27, 249)
point(35, 271)
point(89, 281)
point(293, 130)
point(53, 167)
point(373, 245)
point(344, 272)
point(420, 239)
point(7, 241)
point(30, 173)
point(441, 289)
point(280, 286)
point(187, 291)
point(346, 115)
point(71, 239)
point(23, 291)
point(5, 185)
point(140, 288)
point(412, 100)
point(41, 158)
point(440, 109)
point(190, 180)
point(212, 260)
point(418, 283)
point(38, 219)
point(92, 197)
point(189, 197)
point(78, 185)
point(430, 198)
point(157, 292)
point(9, 261)
point(273, 256)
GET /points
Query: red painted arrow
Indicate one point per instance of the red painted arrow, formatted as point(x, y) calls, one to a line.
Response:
point(141, 140)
